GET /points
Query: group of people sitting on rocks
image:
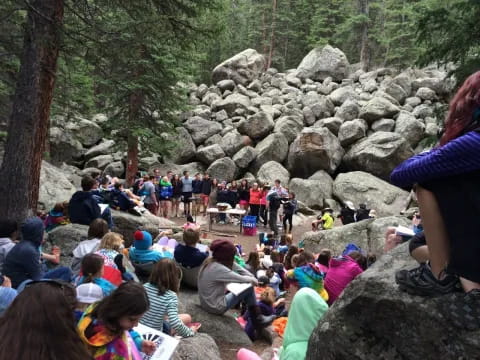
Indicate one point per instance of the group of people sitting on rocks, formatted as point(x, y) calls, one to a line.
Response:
point(104, 278)
point(90, 310)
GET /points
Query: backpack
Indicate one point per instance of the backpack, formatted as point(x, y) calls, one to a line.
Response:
point(351, 247)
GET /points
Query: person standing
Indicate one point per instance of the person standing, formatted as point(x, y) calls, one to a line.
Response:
point(273, 204)
point(206, 191)
point(197, 184)
point(263, 205)
point(148, 188)
point(254, 200)
point(289, 208)
point(187, 190)
point(165, 194)
point(177, 194)
point(244, 194)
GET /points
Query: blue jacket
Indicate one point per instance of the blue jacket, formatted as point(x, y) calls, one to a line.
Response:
point(144, 256)
point(23, 261)
point(83, 208)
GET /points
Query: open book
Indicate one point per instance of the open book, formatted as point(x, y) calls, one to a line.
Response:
point(166, 345)
point(404, 231)
point(237, 288)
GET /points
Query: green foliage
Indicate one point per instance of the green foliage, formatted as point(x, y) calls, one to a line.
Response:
point(449, 31)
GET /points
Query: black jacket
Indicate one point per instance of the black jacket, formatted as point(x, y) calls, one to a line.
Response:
point(83, 208)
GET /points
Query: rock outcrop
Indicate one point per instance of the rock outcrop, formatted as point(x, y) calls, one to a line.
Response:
point(198, 347)
point(221, 327)
point(372, 319)
point(368, 234)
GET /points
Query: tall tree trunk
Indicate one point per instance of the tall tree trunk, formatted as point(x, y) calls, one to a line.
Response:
point(365, 49)
point(132, 159)
point(272, 34)
point(29, 119)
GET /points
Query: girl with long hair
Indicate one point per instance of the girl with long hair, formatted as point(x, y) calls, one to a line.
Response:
point(92, 272)
point(40, 324)
point(446, 180)
point(106, 327)
point(176, 194)
point(162, 289)
point(244, 194)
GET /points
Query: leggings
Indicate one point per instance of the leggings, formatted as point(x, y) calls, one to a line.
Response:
point(264, 214)
point(254, 210)
point(287, 217)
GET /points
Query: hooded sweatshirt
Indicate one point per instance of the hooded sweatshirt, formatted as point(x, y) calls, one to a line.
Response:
point(83, 208)
point(165, 190)
point(105, 346)
point(6, 244)
point(23, 261)
point(307, 309)
point(141, 253)
point(341, 271)
point(309, 276)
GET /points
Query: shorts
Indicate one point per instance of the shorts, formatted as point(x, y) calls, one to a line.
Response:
point(418, 240)
point(458, 198)
point(187, 197)
point(205, 199)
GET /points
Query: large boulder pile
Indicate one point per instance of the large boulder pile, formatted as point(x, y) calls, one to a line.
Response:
point(372, 319)
point(324, 115)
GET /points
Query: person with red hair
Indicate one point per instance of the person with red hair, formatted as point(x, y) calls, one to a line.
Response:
point(447, 183)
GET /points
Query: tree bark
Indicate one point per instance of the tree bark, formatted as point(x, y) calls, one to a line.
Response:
point(29, 120)
point(272, 35)
point(132, 159)
point(365, 49)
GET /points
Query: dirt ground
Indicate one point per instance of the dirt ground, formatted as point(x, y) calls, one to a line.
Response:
point(230, 231)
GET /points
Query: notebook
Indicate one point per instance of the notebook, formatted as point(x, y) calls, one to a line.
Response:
point(166, 345)
point(237, 288)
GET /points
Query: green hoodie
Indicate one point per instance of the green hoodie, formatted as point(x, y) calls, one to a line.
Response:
point(306, 310)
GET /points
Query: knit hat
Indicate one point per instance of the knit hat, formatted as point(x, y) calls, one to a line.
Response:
point(143, 240)
point(89, 293)
point(223, 250)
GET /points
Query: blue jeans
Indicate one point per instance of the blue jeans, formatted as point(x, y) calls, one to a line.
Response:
point(107, 216)
point(248, 295)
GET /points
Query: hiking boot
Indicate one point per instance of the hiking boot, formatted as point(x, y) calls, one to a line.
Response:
point(421, 281)
point(463, 309)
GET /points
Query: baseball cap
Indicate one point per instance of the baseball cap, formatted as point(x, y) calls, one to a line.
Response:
point(89, 293)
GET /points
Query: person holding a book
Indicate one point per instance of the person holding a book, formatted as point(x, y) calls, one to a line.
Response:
point(215, 277)
point(162, 289)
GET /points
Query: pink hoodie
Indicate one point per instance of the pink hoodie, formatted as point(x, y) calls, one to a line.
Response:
point(341, 271)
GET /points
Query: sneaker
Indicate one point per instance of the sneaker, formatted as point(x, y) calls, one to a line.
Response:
point(421, 281)
point(463, 309)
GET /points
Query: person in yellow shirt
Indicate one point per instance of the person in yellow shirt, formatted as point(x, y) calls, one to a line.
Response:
point(325, 220)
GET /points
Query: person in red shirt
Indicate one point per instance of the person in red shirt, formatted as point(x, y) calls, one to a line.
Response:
point(254, 201)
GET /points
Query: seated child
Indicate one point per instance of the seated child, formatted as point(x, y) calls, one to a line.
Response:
point(274, 280)
point(267, 305)
point(286, 240)
point(342, 270)
point(253, 262)
point(265, 264)
point(307, 274)
point(57, 216)
point(325, 220)
point(277, 259)
point(162, 289)
point(87, 294)
point(141, 251)
point(188, 255)
point(323, 260)
point(190, 224)
point(92, 271)
point(120, 199)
